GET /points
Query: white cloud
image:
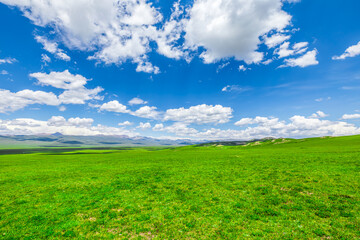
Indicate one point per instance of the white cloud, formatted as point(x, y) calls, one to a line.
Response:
point(45, 58)
point(200, 114)
point(264, 121)
point(351, 51)
point(137, 101)
point(322, 99)
point(80, 96)
point(350, 116)
point(62, 108)
point(276, 39)
point(4, 72)
point(298, 126)
point(308, 59)
point(126, 123)
point(115, 31)
point(75, 93)
point(147, 112)
point(62, 80)
point(144, 126)
point(170, 33)
point(178, 128)
point(222, 66)
point(10, 102)
point(235, 88)
point(319, 114)
point(114, 106)
point(8, 60)
point(53, 48)
point(242, 68)
point(78, 122)
point(284, 50)
point(72, 126)
point(233, 28)
point(145, 66)
point(268, 61)
point(118, 30)
point(143, 112)
point(244, 121)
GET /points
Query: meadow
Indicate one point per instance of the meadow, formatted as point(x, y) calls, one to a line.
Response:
point(277, 189)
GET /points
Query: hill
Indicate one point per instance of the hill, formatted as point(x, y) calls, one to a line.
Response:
point(62, 141)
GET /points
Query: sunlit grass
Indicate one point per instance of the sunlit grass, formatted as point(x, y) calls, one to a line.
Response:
point(283, 189)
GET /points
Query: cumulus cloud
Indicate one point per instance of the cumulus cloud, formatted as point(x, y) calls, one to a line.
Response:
point(114, 106)
point(13, 101)
point(200, 114)
point(143, 112)
point(71, 126)
point(80, 96)
point(350, 116)
point(308, 59)
point(144, 126)
point(10, 101)
point(233, 28)
point(284, 50)
point(53, 48)
point(74, 84)
point(119, 31)
point(276, 39)
point(145, 66)
point(178, 128)
point(75, 92)
point(62, 80)
point(61, 121)
point(319, 114)
point(258, 120)
point(351, 51)
point(126, 123)
point(170, 33)
point(261, 127)
point(4, 72)
point(147, 112)
point(242, 68)
point(137, 101)
point(298, 126)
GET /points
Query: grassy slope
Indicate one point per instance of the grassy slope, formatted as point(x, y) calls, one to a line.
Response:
point(297, 189)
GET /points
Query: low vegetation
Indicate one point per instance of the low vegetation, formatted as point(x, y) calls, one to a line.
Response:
point(273, 189)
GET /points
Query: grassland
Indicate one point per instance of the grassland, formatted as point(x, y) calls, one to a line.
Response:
point(283, 189)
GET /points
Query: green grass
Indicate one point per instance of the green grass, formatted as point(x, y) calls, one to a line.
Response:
point(287, 189)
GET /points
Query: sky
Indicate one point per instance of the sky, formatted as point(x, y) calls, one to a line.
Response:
point(188, 69)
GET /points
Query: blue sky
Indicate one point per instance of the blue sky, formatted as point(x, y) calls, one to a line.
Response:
point(203, 69)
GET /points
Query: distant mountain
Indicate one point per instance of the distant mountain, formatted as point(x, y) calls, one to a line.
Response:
point(57, 134)
point(236, 143)
point(59, 140)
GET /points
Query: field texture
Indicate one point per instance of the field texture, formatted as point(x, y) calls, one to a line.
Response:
point(283, 189)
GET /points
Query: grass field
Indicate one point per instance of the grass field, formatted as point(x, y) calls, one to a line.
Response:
point(287, 189)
